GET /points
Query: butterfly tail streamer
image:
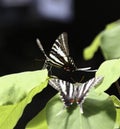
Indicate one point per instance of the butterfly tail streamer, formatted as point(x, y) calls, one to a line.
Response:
point(41, 47)
point(86, 69)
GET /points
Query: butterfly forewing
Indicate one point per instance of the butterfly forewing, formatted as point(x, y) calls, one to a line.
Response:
point(83, 89)
point(67, 93)
point(61, 44)
point(59, 53)
point(66, 90)
point(71, 93)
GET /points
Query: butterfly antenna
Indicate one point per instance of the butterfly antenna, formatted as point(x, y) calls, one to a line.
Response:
point(82, 78)
point(41, 47)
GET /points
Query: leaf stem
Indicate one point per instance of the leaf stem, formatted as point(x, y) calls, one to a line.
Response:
point(117, 86)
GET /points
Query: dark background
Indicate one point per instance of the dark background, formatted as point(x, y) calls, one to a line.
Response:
point(20, 25)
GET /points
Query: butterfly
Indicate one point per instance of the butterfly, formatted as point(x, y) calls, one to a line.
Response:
point(59, 55)
point(74, 92)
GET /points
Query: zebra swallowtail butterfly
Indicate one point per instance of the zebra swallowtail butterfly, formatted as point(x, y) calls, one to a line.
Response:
point(59, 55)
point(74, 92)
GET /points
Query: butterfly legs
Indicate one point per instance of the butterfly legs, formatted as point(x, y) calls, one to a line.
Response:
point(81, 108)
point(47, 66)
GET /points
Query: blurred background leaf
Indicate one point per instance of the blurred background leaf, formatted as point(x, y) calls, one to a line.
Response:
point(108, 40)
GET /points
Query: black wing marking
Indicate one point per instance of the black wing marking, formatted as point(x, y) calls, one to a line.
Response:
point(83, 89)
point(66, 90)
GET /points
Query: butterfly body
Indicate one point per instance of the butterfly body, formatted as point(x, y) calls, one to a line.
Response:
point(74, 93)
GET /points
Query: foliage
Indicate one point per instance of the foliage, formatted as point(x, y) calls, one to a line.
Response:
point(109, 42)
point(17, 90)
point(97, 106)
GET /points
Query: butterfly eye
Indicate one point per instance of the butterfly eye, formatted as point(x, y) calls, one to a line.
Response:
point(67, 68)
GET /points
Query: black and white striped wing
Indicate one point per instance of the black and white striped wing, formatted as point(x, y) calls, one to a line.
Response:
point(54, 83)
point(83, 89)
point(60, 47)
point(59, 54)
point(66, 90)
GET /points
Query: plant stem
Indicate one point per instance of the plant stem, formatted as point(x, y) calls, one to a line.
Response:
point(117, 86)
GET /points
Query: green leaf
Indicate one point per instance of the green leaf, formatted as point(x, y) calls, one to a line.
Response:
point(16, 91)
point(97, 109)
point(89, 51)
point(110, 70)
point(117, 105)
point(39, 121)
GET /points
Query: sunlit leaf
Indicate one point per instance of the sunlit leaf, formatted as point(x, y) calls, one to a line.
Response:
point(110, 70)
point(16, 91)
